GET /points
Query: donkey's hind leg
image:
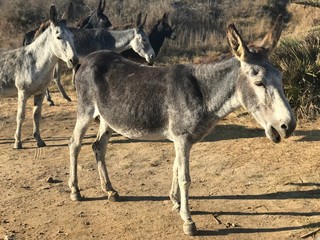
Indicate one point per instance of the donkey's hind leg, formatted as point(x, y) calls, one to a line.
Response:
point(80, 129)
point(38, 99)
point(100, 147)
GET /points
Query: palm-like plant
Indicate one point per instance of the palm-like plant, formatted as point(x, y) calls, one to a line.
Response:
point(299, 61)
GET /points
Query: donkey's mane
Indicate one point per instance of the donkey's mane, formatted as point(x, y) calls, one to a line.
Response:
point(155, 25)
point(257, 51)
point(83, 21)
point(41, 29)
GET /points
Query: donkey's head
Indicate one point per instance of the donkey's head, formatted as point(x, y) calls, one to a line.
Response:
point(98, 19)
point(259, 86)
point(140, 43)
point(163, 27)
point(62, 38)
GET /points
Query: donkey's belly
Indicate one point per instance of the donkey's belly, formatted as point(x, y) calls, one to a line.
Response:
point(8, 92)
point(140, 134)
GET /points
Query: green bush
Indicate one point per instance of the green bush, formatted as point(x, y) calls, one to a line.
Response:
point(299, 60)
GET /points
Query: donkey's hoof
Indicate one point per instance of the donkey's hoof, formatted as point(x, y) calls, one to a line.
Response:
point(76, 196)
point(51, 103)
point(17, 145)
point(114, 197)
point(189, 228)
point(41, 144)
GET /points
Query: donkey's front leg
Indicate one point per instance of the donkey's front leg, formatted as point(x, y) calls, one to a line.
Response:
point(38, 99)
point(100, 147)
point(21, 113)
point(57, 80)
point(48, 98)
point(73, 78)
point(182, 149)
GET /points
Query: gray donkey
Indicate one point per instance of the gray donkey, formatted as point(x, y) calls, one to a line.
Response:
point(28, 70)
point(96, 20)
point(181, 103)
point(90, 40)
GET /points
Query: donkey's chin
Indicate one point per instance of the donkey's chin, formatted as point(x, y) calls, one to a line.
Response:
point(69, 65)
point(149, 60)
point(273, 134)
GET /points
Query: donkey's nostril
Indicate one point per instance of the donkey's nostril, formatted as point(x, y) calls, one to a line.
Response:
point(283, 126)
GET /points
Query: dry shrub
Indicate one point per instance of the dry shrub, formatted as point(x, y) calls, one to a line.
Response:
point(200, 25)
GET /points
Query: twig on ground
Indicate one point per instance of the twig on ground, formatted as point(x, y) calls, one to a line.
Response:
point(310, 233)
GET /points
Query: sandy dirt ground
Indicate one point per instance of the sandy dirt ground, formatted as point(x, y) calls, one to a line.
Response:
point(243, 186)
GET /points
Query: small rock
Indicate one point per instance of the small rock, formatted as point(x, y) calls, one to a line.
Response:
point(50, 180)
point(9, 237)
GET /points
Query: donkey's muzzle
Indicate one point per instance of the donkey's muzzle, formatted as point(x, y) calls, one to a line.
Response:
point(150, 59)
point(73, 62)
point(287, 128)
point(173, 36)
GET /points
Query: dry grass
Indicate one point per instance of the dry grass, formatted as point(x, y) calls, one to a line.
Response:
point(200, 25)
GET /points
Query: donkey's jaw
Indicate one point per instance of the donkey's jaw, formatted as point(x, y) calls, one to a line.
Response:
point(72, 62)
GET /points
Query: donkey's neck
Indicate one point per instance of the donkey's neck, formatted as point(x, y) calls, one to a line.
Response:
point(42, 53)
point(156, 39)
point(122, 39)
point(217, 82)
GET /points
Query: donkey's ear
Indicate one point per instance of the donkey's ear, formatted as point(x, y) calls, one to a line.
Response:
point(237, 45)
point(101, 6)
point(272, 37)
point(165, 17)
point(138, 20)
point(140, 23)
point(68, 13)
point(53, 15)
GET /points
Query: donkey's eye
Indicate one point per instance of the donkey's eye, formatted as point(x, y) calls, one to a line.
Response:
point(255, 72)
point(59, 38)
point(259, 83)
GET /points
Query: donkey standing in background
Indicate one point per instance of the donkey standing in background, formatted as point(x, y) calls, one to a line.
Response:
point(96, 20)
point(28, 70)
point(160, 31)
point(90, 40)
point(181, 103)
